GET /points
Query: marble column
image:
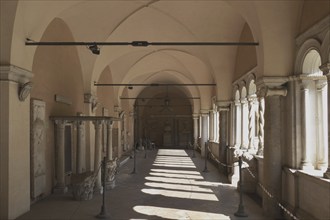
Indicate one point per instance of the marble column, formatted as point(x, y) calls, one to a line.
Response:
point(272, 166)
point(245, 124)
point(305, 122)
point(322, 107)
point(109, 140)
point(195, 118)
point(238, 124)
point(261, 121)
point(60, 162)
point(205, 131)
point(326, 71)
point(98, 152)
point(251, 134)
point(211, 125)
point(81, 147)
point(223, 133)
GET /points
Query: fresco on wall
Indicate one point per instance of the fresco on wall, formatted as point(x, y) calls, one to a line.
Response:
point(38, 147)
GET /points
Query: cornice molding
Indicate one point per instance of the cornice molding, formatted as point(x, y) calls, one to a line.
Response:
point(15, 74)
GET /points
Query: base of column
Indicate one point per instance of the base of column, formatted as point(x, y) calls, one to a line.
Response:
point(234, 177)
point(306, 166)
point(60, 190)
point(252, 151)
point(110, 185)
point(327, 174)
point(322, 166)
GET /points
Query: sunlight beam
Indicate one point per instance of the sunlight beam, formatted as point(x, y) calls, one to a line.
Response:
point(171, 213)
point(178, 187)
point(181, 194)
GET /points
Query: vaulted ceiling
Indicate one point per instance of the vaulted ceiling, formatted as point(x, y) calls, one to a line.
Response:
point(271, 23)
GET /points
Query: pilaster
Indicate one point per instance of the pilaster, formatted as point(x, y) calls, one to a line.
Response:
point(15, 86)
point(326, 71)
point(273, 89)
point(223, 108)
point(205, 130)
point(196, 126)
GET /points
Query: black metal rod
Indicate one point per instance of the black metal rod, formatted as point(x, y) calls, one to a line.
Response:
point(240, 212)
point(161, 98)
point(138, 43)
point(103, 213)
point(155, 84)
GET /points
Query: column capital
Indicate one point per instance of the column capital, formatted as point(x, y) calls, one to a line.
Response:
point(109, 123)
point(97, 123)
point(223, 105)
point(19, 76)
point(320, 84)
point(272, 86)
point(204, 112)
point(325, 68)
point(60, 122)
point(195, 116)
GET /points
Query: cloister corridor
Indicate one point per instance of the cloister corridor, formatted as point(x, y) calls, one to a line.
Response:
point(168, 184)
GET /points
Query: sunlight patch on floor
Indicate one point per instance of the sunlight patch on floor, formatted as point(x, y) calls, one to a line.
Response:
point(181, 194)
point(186, 176)
point(182, 181)
point(171, 213)
point(178, 187)
point(173, 165)
point(174, 152)
point(176, 171)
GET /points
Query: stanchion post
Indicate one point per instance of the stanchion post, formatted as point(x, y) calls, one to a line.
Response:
point(103, 213)
point(240, 212)
point(206, 155)
point(134, 168)
point(193, 149)
point(145, 151)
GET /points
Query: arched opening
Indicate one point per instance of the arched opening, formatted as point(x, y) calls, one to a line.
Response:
point(314, 113)
point(165, 117)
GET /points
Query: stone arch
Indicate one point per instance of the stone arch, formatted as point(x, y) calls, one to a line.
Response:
point(312, 62)
point(325, 49)
point(308, 45)
point(236, 93)
point(251, 85)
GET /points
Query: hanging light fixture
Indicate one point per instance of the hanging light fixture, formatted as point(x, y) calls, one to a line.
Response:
point(94, 48)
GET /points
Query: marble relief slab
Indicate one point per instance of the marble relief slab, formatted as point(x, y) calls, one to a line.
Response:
point(38, 148)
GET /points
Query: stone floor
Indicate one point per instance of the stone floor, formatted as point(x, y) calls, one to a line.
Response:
point(168, 184)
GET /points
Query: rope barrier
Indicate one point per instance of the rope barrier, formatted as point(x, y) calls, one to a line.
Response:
point(216, 159)
point(270, 195)
point(273, 197)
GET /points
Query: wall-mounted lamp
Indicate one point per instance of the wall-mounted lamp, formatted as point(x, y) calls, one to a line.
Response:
point(95, 49)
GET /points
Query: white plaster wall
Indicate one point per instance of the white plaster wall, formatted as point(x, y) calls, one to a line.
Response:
point(15, 153)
